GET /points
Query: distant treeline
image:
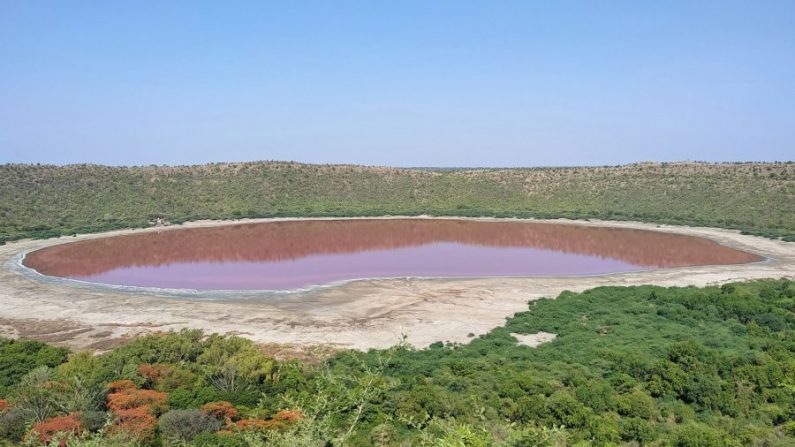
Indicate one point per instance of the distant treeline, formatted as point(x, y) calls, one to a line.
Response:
point(43, 201)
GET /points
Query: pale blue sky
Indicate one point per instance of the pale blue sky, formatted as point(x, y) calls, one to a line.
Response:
point(424, 83)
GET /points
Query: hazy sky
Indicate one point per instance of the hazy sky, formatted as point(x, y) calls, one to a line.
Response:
point(425, 83)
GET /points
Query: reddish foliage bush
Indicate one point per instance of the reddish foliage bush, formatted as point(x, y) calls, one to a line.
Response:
point(135, 409)
point(289, 416)
point(47, 429)
point(221, 410)
point(150, 372)
point(136, 422)
point(4, 406)
point(120, 385)
point(155, 401)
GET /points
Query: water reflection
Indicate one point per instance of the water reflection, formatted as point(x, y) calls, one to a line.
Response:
point(302, 253)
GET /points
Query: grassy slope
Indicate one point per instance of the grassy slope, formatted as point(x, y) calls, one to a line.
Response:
point(44, 201)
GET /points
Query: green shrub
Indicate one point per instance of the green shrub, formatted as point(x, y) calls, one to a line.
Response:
point(184, 425)
point(13, 424)
point(93, 420)
point(383, 434)
point(540, 437)
point(19, 357)
point(637, 404)
point(698, 435)
point(218, 440)
point(636, 429)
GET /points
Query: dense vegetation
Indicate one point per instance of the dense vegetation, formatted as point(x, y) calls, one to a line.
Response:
point(754, 197)
point(633, 366)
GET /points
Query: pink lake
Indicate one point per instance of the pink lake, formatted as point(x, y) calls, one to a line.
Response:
point(298, 254)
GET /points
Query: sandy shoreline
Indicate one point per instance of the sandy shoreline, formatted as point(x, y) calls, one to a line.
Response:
point(359, 314)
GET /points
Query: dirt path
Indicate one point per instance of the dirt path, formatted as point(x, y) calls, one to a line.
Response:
point(360, 314)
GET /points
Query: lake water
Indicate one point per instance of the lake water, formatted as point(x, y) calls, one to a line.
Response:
point(298, 254)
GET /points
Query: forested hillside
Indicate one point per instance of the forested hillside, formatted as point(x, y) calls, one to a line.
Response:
point(46, 201)
point(681, 367)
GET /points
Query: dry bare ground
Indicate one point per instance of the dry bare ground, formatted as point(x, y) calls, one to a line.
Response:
point(359, 314)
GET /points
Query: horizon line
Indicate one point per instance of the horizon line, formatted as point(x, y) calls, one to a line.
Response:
point(427, 168)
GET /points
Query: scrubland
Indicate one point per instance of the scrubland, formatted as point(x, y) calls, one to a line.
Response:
point(45, 201)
